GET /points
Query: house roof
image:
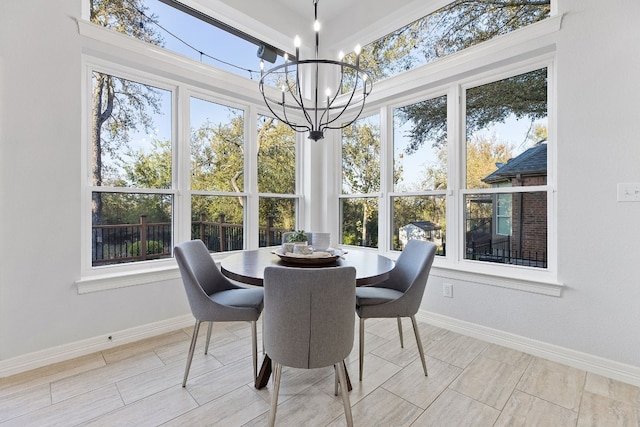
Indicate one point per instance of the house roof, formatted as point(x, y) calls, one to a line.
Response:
point(531, 162)
point(425, 225)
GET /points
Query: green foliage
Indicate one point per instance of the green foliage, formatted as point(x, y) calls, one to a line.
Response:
point(153, 247)
point(457, 26)
point(298, 236)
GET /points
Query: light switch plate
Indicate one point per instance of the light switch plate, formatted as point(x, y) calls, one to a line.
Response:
point(629, 192)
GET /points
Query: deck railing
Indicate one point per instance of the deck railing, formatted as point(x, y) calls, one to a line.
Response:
point(122, 243)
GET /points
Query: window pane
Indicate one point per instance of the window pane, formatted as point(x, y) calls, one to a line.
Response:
point(507, 120)
point(525, 245)
point(419, 218)
point(217, 147)
point(218, 222)
point(454, 27)
point(131, 227)
point(160, 24)
point(359, 221)
point(276, 216)
point(361, 156)
point(131, 137)
point(276, 157)
point(420, 146)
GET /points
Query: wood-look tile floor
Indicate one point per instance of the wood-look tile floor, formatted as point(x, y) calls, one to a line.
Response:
point(470, 383)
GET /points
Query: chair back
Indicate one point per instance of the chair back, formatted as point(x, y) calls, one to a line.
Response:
point(200, 276)
point(411, 272)
point(309, 315)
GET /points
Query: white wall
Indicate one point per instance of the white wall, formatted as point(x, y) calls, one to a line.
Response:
point(598, 117)
point(40, 83)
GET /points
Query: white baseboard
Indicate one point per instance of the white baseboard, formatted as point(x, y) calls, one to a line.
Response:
point(608, 368)
point(64, 352)
point(611, 369)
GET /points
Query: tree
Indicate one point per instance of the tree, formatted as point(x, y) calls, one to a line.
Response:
point(119, 105)
point(482, 156)
point(276, 172)
point(217, 164)
point(456, 26)
point(361, 175)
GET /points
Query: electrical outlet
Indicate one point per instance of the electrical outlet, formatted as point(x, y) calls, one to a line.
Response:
point(447, 290)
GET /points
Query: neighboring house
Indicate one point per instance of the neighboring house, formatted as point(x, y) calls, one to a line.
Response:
point(518, 230)
point(421, 230)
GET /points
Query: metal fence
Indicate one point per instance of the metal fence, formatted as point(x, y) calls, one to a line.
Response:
point(123, 243)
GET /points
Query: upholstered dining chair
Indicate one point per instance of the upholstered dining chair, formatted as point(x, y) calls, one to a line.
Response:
point(214, 298)
point(400, 295)
point(309, 322)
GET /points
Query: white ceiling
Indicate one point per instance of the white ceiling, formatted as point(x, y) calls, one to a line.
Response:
point(344, 22)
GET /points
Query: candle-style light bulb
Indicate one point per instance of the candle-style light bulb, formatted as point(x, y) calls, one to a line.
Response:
point(261, 67)
point(316, 26)
point(357, 51)
point(286, 57)
point(340, 56)
point(296, 43)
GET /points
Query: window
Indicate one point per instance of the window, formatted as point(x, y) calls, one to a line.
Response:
point(276, 180)
point(506, 151)
point(217, 175)
point(359, 203)
point(418, 203)
point(131, 198)
point(188, 34)
point(454, 27)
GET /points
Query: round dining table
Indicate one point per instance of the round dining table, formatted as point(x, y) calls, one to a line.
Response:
point(248, 267)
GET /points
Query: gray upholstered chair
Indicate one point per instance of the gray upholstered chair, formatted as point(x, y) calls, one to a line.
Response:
point(309, 322)
point(400, 295)
point(214, 298)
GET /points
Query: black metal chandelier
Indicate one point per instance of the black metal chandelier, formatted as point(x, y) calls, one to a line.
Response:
point(295, 76)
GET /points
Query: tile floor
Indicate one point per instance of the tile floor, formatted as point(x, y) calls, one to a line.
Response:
point(470, 383)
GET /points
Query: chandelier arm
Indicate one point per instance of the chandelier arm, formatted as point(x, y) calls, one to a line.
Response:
point(362, 102)
point(269, 101)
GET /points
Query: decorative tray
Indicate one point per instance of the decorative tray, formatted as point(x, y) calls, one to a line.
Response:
point(316, 258)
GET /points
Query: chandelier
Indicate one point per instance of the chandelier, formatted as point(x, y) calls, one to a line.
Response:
point(296, 76)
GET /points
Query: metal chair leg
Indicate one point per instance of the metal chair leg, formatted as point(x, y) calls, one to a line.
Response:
point(400, 332)
point(192, 348)
point(277, 373)
point(206, 347)
point(361, 346)
point(345, 393)
point(419, 342)
point(254, 348)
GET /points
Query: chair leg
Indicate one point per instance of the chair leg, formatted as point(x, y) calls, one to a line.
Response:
point(277, 373)
point(400, 332)
point(192, 348)
point(206, 347)
point(361, 346)
point(419, 342)
point(335, 380)
point(345, 393)
point(254, 348)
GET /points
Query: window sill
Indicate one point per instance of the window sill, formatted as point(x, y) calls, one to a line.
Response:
point(537, 286)
point(123, 279)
